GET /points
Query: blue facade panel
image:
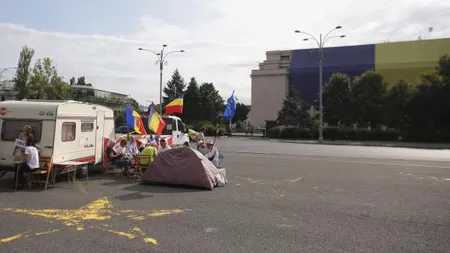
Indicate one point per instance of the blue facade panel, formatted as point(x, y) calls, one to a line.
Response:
point(304, 68)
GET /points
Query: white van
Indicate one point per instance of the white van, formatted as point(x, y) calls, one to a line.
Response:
point(174, 133)
point(69, 131)
point(176, 129)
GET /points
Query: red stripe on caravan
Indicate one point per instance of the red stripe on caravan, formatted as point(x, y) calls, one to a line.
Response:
point(85, 159)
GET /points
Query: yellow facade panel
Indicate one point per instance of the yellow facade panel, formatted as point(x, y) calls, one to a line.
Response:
point(407, 60)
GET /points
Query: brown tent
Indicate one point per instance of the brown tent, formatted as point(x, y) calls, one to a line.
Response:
point(182, 166)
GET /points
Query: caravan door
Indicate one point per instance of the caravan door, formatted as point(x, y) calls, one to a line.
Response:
point(99, 136)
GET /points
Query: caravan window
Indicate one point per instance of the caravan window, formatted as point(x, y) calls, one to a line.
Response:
point(87, 127)
point(11, 129)
point(68, 131)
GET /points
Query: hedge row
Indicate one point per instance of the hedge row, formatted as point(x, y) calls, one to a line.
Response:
point(289, 132)
point(210, 128)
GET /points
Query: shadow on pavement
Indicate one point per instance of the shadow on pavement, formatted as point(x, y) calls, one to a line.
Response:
point(160, 188)
point(133, 196)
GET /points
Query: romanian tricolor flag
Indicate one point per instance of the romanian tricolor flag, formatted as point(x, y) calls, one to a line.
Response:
point(155, 122)
point(134, 120)
point(176, 106)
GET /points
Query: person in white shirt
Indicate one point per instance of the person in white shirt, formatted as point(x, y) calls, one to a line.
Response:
point(213, 153)
point(163, 147)
point(132, 148)
point(121, 158)
point(30, 158)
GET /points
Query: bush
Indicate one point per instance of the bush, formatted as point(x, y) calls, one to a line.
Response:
point(274, 132)
point(210, 128)
point(332, 134)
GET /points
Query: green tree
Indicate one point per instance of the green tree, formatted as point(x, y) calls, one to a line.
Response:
point(336, 100)
point(396, 105)
point(430, 77)
point(367, 95)
point(294, 111)
point(23, 73)
point(192, 105)
point(429, 108)
point(212, 104)
point(45, 82)
point(443, 68)
point(241, 113)
point(175, 87)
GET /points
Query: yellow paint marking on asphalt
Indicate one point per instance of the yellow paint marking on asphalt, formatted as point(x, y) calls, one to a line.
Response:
point(140, 215)
point(26, 234)
point(47, 232)
point(11, 238)
point(98, 210)
point(124, 234)
point(151, 240)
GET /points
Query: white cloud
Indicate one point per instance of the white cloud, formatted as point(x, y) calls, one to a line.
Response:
point(225, 48)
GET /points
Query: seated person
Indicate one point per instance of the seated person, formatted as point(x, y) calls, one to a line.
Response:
point(201, 147)
point(200, 135)
point(149, 151)
point(213, 152)
point(163, 146)
point(30, 158)
point(120, 158)
point(132, 148)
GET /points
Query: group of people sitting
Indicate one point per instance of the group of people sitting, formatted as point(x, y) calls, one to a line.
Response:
point(125, 155)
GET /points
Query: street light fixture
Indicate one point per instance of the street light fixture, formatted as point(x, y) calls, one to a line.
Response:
point(5, 69)
point(321, 44)
point(161, 61)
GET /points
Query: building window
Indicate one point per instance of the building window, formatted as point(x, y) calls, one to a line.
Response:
point(87, 127)
point(68, 131)
point(285, 58)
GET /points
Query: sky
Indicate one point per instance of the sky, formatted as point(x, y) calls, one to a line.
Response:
point(224, 39)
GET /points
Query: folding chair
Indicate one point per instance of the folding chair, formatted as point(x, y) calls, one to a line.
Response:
point(221, 156)
point(110, 167)
point(45, 169)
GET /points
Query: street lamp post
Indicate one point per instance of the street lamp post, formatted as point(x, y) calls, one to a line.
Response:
point(321, 44)
point(5, 69)
point(161, 61)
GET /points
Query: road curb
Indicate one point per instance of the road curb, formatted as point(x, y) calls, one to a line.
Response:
point(362, 144)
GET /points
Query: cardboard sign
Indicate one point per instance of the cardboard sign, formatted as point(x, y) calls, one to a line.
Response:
point(20, 143)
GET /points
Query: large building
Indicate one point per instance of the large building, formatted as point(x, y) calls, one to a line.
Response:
point(395, 61)
point(7, 90)
point(89, 90)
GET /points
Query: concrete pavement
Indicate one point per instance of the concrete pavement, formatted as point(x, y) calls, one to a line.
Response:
point(346, 201)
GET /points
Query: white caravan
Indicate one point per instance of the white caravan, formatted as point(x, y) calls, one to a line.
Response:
point(65, 130)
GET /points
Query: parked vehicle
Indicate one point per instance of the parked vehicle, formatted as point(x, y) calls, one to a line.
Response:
point(175, 131)
point(68, 131)
point(125, 130)
point(192, 135)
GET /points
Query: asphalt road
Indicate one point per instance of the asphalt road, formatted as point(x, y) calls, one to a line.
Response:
point(307, 198)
